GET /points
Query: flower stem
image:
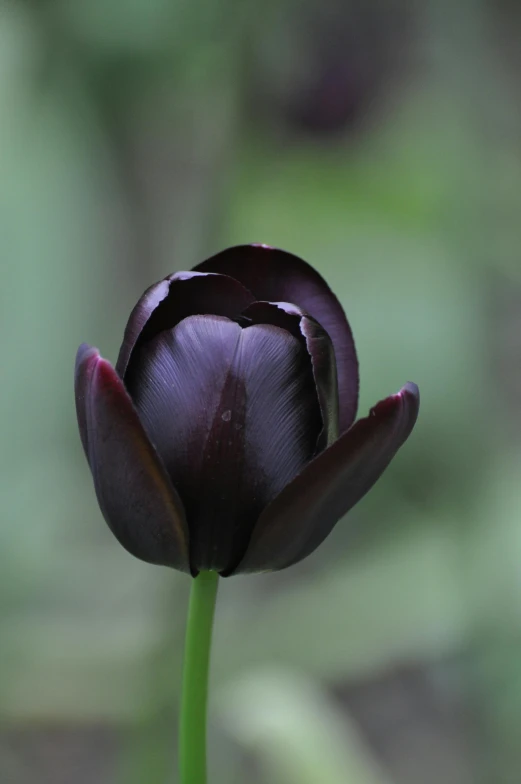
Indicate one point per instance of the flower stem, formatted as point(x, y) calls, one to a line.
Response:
point(194, 697)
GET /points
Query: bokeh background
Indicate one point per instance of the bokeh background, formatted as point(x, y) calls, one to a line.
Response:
point(381, 141)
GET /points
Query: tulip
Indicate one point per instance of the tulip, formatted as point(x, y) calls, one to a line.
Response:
point(225, 441)
point(225, 437)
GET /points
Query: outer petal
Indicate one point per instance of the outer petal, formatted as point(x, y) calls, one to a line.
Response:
point(135, 495)
point(234, 415)
point(320, 349)
point(183, 294)
point(274, 275)
point(305, 512)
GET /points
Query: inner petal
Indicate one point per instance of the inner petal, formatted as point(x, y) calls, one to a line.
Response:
point(234, 415)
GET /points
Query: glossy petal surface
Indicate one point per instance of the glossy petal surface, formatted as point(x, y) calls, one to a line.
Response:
point(234, 415)
point(183, 294)
point(134, 492)
point(141, 312)
point(305, 512)
point(320, 349)
point(274, 275)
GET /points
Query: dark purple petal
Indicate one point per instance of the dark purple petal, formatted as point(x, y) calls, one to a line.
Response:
point(141, 312)
point(234, 415)
point(183, 294)
point(135, 495)
point(86, 361)
point(274, 275)
point(320, 349)
point(305, 512)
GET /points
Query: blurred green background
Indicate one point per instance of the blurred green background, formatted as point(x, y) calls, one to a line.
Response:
point(381, 141)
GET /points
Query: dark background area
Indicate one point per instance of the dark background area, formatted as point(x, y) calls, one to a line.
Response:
point(381, 141)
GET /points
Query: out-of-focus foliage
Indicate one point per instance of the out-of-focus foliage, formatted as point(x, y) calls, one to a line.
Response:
point(299, 734)
point(382, 143)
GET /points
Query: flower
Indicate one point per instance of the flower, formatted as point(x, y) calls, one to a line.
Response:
point(224, 438)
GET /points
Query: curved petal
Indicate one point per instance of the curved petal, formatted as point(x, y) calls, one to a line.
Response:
point(141, 312)
point(234, 415)
point(134, 493)
point(320, 349)
point(305, 512)
point(86, 360)
point(183, 294)
point(274, 275)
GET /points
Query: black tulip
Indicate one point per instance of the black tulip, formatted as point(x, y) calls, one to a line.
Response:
point(224, 437)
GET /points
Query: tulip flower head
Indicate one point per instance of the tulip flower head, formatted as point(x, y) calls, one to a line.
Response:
point(225, 437)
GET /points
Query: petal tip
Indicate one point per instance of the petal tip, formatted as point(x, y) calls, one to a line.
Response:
point(92, 370)
point(87, 358)
point(408, 395)
point(107, 375)
point(85, 354)
point(410, 388)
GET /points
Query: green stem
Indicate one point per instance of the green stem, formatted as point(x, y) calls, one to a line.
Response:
point(194, 698)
